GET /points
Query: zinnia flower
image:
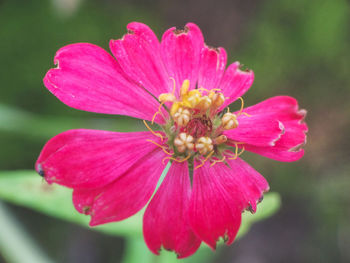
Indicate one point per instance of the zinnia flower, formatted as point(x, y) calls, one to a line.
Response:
point(181, 86)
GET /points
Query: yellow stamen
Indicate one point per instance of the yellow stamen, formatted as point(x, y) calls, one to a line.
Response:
point(218, 161)
point(236, 154)
point(168, 97)
point(242, 107)
point(244, 113)
point(158, 112)
point(174, 85)
point(153, 132)
point(203, 161)
point(184, 88)
point(203, 89)
point(161, 146)
point(176, 160)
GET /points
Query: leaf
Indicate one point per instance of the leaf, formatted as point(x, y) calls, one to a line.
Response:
point(24, 123)
point(26, 188)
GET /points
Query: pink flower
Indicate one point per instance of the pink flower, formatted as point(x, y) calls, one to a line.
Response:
point(183, 86)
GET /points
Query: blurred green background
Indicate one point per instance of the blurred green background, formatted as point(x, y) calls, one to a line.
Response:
point(299, 48)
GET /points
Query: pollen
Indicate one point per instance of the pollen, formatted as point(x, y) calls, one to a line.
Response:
point(184, 142)
point(229, 121)
point(204, 145)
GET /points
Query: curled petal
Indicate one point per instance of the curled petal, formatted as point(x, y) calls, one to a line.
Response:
point(92, 158)
point(181, 53)
point(88, 78)
point(213, 212)
point(235, 83)
point(284, 109)
point(125, 196)
point(256, 130)
point(138, 54)
point(212, 67)
point(166, 218)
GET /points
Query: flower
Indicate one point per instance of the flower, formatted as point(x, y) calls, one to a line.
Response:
point(183, 86)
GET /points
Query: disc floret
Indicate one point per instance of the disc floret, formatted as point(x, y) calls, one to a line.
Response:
point(195, 125)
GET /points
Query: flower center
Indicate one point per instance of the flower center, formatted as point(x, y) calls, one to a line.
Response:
point(195, 125)
point(198, 127)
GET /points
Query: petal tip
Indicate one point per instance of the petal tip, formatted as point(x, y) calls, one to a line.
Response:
point(39, 169)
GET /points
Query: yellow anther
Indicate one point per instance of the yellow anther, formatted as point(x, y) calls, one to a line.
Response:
point(241, 109)
point(160, 146)
point(229, 121)
point(204, 145)
point(205, 159)
point(191, 99)
point(182, 117)
point(184, 88)
point(203, 89)
point(244, 113)
point(217, 99)
point(183, 142)
point(176, 105)
point(218, 161)
point(242, 105)
point(164, 97)
point(236, 154)
point(152, 131)
point(220, 139)
point(204, 103)
point(158, 112)
point(177, 160)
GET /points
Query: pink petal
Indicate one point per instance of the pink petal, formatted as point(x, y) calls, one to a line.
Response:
point(138, 54)
point(166, 218)
point(258, 130)
point(214, 210)
point(88, 78)
point(244, 183)
point(284, 109)
point(212, 67)
point(181, 53)
point(126, 195)
point(235, 83)
point(92, 158)
point(286, 149)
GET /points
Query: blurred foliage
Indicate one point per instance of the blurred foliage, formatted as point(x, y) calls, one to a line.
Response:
point(26, 188)
point(299, 48)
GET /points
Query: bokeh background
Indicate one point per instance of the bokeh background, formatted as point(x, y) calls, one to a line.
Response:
point(299, 48)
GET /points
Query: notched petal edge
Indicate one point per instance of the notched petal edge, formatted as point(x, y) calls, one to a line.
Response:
point(179, 31)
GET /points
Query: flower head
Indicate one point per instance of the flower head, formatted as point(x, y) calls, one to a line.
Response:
point(182, 86)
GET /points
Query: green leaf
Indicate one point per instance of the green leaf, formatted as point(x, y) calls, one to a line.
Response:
point(24, 123)
point(26, 188)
